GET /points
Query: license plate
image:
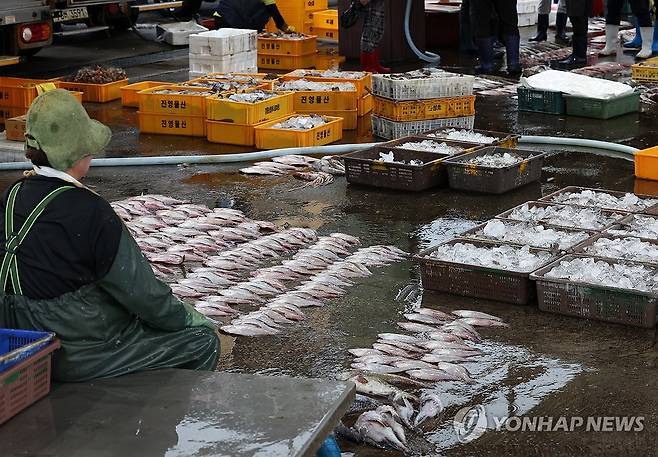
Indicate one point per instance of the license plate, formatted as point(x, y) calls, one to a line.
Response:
point(71, 14)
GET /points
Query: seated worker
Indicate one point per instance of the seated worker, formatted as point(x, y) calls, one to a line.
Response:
point(70, 266)
point(249, 14)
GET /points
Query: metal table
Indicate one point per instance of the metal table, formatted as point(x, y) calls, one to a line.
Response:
point(180, 413)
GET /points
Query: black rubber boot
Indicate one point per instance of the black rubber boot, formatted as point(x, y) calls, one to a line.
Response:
point(560, 29)
point(542, 28)
point(485, 49)
point(578, 58)
point(512, 43)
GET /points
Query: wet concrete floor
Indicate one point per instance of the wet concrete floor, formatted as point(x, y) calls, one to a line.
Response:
point(543, 365)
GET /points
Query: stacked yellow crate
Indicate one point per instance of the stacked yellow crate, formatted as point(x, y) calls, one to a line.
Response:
point(362, 100)
point(233, 122)
point(276, 53)
point(16, 95)
point(325, 25)
point(298, 13)
point(173, 110)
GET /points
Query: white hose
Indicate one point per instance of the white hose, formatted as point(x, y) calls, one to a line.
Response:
point(426, 56)
point(625, 152)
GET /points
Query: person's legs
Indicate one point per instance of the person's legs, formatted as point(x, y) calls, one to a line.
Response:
point(612, 20)
point(640, 9)
point(637, 41)
point(466, 28)
point(509, 24)
point(371, 36)
point(543, 10)
point(561, 24)
point(481, 11)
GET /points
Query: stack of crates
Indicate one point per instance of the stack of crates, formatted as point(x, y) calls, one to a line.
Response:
point(298, 13)
point(350, 105)
point(233, 122)
point(325, 25)
point(407, 104)
point(16, 95)
point(173, 110)
point(223, 51)
point(286, 54)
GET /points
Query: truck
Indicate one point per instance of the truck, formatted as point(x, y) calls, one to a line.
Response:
point(25, 28)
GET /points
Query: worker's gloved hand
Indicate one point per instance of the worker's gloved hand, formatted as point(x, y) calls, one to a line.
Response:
point(196, 319)
point(288, 28)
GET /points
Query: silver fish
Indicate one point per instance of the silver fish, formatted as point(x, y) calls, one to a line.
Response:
point(415, 327)
point(376, 368)
point(369, 384)
point(393, 420)
point(424, 319)
point(436, 313)
point(430, 407)
point(482, 322)
point(246, 330)
point(404, 409)
point(432, 374)
point(392, 350)
point(372, 427)
point(400, 337)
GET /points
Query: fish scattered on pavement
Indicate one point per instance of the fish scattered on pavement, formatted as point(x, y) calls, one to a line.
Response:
point(430, 407)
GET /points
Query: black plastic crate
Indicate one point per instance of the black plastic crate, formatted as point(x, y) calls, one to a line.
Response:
point(573, 189)
point(505, 140)
point(492, 180)
point(615, 216)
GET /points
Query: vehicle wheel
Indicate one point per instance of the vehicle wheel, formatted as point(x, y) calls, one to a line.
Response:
point(97, 16)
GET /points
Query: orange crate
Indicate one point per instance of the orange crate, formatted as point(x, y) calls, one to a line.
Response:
point(325, 34)
point(230, 133)
point(19, 92)
point(97, 93)
point(350, 117)
point(302, 5)
point(260, 85)
point(645, 71)
point(178, 104)
point(275, 62)
point(365, 104)
point(363, 85)
point(271, 138)
point(170, 124)
point(10, 112)
point(249, 113)
point(327, 19)
point(129, 92)
point(646, 164)
point(25, 383)
point(328, 61)
point(308, 101)
point(281, 47)
point(438, 108)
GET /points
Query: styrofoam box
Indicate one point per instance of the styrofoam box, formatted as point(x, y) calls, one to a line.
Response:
point(527, 7)
point(240, 62)
point(178, 33)
point(223, 42)
point(527, 19)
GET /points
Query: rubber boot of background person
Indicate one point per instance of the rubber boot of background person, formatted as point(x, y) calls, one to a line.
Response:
point(578, 57)
point(561, 29)
point(512, 44)
point(485, 52)
point(611, 38)
point(466, 43)
point(635, 43)
point(542, 28)
point(655, 37)
point(640, 9)
point(371, 36)
point(647, 43)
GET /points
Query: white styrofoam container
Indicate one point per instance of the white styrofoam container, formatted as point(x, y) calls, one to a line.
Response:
point(527, 19)
point(178, 33)
point(241, 62)
point(223, 42)
point(527, 6)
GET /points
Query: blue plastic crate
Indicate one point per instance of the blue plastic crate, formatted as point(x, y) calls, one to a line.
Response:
point(15, 345)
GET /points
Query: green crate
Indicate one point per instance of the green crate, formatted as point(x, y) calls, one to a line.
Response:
point(603, 109)
point(540, 101)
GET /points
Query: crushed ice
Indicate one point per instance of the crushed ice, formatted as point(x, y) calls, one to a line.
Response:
point(430, 146)
point(565, 216)
point(301, 122)
point(629, 202)
point(531, 234)
point(330, 74)
point(640, 226)
point(624, 248)
point(497, 160)
point(511, 258)
point(625, 276)
point(304, 85)
point(389, 157)
point(252, 97)
point(464, 135)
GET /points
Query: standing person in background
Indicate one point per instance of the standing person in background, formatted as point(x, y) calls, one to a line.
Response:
point(579, 12)
point(482, 11)
point(249, 14)
point(371, 36)
point(640, 9)
point(544, 10)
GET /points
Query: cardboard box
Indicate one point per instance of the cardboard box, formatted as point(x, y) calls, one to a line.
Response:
point(15, 128)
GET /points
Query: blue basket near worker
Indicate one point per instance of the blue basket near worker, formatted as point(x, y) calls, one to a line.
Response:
point(18, 345)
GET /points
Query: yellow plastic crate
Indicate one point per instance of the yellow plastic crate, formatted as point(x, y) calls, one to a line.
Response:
point(328, 60)
point(271, 138)
point(325, 34)
point(168, 124)
point(8, 112)
point(129, 93)
point(178, 104)
point(19, 92)
point(229, 133)
point(281, 47)
point(365, 104)
point(646, 164)
point(327, 19)
point(275, 62)
point(220, 109)
point(646, 71)
point(311, 101)
point(97, 93)
point(302, 5)
point(363, 85)
point(438, 108)
point(350, 117)
point(261, 85)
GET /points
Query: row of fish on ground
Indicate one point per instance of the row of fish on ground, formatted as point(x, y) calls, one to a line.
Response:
point(316, 172)
point(233, 267)
point(399, 364)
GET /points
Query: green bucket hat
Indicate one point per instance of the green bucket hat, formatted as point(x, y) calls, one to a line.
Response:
point(59, 126)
